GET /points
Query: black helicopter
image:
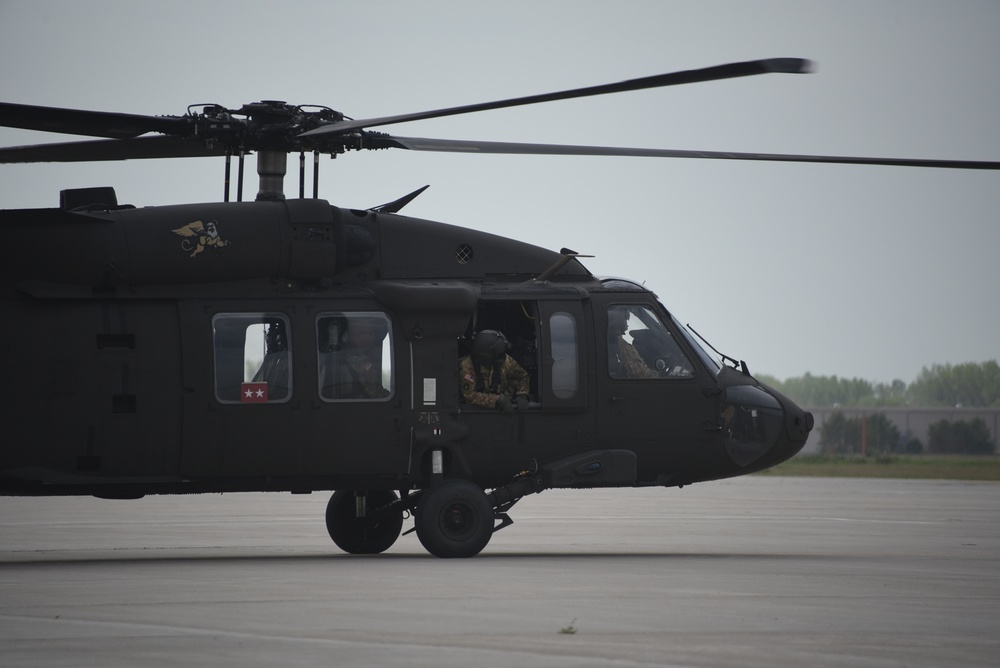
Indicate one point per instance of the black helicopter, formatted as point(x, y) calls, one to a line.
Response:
point(216, 347)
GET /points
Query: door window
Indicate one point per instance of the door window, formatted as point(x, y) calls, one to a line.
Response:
point(565, 371)
point(253, 358)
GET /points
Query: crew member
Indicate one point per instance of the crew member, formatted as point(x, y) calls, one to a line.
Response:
point(624, 361)
point(492, 378)
point(366, 376)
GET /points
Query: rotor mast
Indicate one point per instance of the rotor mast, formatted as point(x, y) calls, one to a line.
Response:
point(271, 168)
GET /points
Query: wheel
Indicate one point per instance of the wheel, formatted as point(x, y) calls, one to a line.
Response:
point(372, 534)
point(454, 518)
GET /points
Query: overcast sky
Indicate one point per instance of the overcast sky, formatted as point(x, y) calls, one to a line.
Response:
point(855, 271)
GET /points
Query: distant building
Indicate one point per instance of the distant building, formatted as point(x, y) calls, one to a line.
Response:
point(911, 422)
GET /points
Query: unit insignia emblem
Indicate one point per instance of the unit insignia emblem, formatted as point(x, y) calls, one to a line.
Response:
point(197, 236)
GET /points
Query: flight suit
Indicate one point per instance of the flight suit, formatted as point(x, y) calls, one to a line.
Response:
point(513, 381)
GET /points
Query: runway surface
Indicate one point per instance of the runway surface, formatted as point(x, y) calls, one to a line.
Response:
point(756, 571)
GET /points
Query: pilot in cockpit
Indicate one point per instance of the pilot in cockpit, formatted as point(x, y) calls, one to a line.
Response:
point(624, 361)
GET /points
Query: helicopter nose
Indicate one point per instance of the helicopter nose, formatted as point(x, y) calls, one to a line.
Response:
point(798, 424)
point(790, 441)
point(764, 427)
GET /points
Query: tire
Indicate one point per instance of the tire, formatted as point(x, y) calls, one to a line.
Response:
point(372, 534)
point(454, 518)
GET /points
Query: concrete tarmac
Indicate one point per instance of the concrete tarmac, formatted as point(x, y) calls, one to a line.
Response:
point(755, 571)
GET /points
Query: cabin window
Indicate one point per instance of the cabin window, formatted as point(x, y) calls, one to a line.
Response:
point(354, 356)
point(253, 358)
point(565, 372)
point(641, 347)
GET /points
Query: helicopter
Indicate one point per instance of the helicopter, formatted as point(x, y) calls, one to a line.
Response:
point(215, 347)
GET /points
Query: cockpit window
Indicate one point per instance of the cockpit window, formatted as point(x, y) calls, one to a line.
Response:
point(641, 347)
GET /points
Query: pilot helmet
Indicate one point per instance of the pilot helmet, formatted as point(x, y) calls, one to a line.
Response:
point(617, 319)
point(488, 346)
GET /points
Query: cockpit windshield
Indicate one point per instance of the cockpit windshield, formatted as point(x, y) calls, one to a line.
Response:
point(640, 346)
point(711, 361)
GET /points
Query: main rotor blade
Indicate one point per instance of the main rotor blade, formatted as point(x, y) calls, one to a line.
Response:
point(729, 71)
point(86, 123)
point(459, 146)
point(108, 149)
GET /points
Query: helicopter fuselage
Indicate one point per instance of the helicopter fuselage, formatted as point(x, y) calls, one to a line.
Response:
point(296, 346)
point(134, 336)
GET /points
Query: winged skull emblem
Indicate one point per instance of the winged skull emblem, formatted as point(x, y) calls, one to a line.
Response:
point(198, 236)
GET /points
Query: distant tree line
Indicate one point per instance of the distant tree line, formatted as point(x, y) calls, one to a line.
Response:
point(970, 385)
point(875, 434)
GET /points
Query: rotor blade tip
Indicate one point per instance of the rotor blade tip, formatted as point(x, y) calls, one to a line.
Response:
point(790, 65)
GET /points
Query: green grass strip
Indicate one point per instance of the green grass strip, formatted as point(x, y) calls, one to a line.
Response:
point(920, 467)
